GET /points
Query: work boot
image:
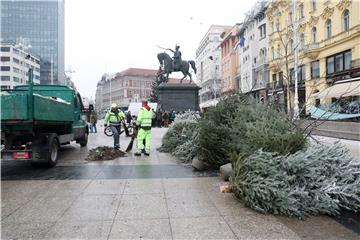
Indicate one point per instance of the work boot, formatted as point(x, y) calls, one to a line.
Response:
point(137, 154)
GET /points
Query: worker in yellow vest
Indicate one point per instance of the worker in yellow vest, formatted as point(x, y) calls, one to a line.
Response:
point(114, 118)
point(143, 123)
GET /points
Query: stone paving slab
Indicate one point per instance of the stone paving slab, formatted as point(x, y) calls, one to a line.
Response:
point(105, 187)
point(201, 228)
point(260, 227)
point(319, 227)
point(41, 209)
point(25, 230)
point(141, 229)
point(80, 230)
point(93, 208)
point(149, 197)
point(142, 206)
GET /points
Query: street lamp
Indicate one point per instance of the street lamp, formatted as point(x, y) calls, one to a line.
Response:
point(296, 96)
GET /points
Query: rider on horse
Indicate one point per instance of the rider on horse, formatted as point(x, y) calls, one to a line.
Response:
point(176, 57)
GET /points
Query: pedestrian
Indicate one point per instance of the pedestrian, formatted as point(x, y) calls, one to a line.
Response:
point(153, 121)
point(93, 121)
point(165, 117)
point(114, 118)
point(143, 123)
point(159, 117)
point(172, 116)
point(128, 118)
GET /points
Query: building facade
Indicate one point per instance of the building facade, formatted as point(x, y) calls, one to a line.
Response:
point(130, 85)
point(229, 60)
point(252, 68)
point(39, 24)
point(15, 63)
point(327, 40)
point(208, 61)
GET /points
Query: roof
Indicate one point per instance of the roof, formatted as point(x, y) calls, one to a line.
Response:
point(138, 72)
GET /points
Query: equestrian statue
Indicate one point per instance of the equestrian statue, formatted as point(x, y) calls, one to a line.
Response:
point(175, 64)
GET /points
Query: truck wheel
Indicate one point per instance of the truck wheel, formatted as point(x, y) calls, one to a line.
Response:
point(83, 141)
point(53, 152)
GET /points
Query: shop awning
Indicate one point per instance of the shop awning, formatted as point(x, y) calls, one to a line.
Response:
point(346, 89)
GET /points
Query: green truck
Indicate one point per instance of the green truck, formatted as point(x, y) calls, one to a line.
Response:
point(37, 119)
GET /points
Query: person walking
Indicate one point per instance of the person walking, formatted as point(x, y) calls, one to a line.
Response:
point(172, 116)
point(114, 118)
point(93, 121)
point(128, 118)
point(159, 118)
point(143, 123)
point(165, 117)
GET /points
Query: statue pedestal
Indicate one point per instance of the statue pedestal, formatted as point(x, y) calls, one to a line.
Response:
point(179, 97)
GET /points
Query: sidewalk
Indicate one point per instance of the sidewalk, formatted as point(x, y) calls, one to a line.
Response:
point(138, 197)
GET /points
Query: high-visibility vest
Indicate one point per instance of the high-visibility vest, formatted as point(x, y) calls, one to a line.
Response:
point(144, 118)
point(114, 119)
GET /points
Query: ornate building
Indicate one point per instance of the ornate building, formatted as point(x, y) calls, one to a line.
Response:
point(327, 39)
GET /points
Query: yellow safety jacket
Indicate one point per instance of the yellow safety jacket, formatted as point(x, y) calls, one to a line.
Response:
point(114, 119)
point(144, 118)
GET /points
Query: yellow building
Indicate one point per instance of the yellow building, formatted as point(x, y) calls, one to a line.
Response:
point(328, 42)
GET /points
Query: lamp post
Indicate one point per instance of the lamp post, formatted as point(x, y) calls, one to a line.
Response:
point(296, 96)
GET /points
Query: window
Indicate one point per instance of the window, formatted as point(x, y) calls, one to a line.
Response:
point(273, 53)
point(346, 20)
point(274, 77)
point(281, 77)
point(347, 60)
point(330, 65)
point(338, 62)
point(292, 75)
point(313, 34)
point(5, 68)
point(5, 49)
point(301, 10)
point(16, 79)
point(313, 4)
point(328, 28)
point(301, 73)
point(302, 41)
point(16, 60)
point(262, 30)
point(277, 26)
point(5, 78)
point(5, 59)
point(315, 69)
point(291, 45)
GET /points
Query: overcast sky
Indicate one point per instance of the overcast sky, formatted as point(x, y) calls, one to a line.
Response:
point(112, 35)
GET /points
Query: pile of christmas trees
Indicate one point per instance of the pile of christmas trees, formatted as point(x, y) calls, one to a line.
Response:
point(275, 169)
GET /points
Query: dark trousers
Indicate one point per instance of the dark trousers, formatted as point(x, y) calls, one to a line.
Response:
point(116, 136)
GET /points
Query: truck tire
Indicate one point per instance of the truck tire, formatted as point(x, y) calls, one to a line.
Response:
point(83, 141)
point(53, 150)
point(45, 150)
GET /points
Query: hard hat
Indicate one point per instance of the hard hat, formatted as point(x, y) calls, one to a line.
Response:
point(114, 105)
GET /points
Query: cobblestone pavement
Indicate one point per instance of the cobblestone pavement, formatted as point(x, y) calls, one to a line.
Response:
point(136, 197)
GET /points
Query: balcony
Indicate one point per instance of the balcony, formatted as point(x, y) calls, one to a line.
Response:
point(275, 86)
point(311, 50)
point(353, 72)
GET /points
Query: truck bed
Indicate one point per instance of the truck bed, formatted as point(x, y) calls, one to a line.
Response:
point(15, 107)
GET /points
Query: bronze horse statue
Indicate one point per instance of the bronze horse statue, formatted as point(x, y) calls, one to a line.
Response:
point(168, 67)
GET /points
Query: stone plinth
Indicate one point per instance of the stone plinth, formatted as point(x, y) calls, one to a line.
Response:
point(179, 97)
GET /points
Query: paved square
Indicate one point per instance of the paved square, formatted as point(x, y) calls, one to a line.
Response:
point(136, 198)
